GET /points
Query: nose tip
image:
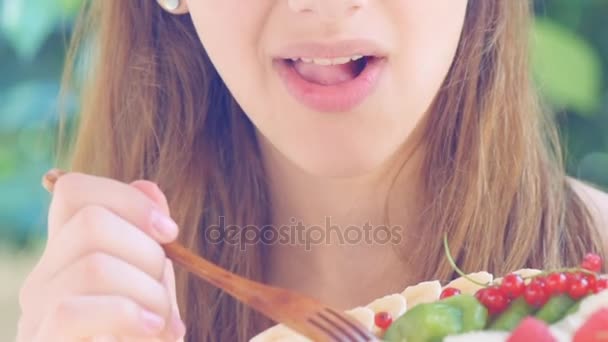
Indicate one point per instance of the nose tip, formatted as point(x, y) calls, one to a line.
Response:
point(327, 8)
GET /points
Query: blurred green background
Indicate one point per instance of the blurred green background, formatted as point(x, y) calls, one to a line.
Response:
point(570, 63)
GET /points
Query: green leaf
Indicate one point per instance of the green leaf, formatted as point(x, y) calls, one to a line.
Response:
point(568, 69)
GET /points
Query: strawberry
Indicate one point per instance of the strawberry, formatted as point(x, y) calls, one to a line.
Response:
point(531, 329)
point(595, 329)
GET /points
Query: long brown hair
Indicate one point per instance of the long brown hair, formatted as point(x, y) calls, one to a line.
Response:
point(154, 107)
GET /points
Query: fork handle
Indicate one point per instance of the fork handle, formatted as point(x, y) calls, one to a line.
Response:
point(261, 297)
point(237, 286)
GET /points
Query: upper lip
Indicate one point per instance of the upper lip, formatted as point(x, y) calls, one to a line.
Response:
point(342, 48)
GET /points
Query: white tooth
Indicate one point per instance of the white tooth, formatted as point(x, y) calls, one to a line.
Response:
point(341, 60)
point(328, 61)
point(322, 61)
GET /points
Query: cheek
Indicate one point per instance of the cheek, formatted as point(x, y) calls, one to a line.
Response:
point(425, 35)
point(430, 36)
point(229, 31)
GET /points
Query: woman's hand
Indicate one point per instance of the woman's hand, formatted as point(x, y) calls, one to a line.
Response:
point(103, 272)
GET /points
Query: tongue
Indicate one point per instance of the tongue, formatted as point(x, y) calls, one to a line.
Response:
point(326, 74)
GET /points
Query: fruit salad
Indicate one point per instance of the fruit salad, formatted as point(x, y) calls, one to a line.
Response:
point(526, 305)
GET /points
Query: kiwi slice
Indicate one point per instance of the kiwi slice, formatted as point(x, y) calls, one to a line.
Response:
point(429, 322)
point(512, 316)
point(474, 314)
point(555, 309)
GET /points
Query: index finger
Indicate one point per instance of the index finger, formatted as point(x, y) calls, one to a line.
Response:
point(74, 191)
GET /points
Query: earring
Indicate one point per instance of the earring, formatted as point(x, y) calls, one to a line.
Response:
point(170, 5)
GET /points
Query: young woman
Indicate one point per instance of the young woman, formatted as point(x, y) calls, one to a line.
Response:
point(416, 115)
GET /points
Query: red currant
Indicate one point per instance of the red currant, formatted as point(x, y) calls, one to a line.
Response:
point(600, 285)
point(449, 292)
point(541, 280)
point(513, 285)
point(572, 277)
point(591, 279)
point(556, 283)
point(536, 294)
point(383, 320)
point(578, 287)
point(493, 299)
point(592, 262)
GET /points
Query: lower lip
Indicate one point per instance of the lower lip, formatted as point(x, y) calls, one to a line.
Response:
point(340, 97)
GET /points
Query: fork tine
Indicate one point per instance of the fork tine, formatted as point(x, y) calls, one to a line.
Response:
point(299, 312)
point(345, 330)
point(330, 331)
point(366, 335)
point(334, 323)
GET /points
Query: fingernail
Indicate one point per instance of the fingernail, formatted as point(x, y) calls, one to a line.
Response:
point(152, 322)
point(50, 178)
point(165, 227)
point(177, 327)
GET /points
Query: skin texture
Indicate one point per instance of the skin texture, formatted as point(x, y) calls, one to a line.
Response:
point(103, 272)
point(334, 165)
point(311, 148)
point(350, 144)
point(103, 263)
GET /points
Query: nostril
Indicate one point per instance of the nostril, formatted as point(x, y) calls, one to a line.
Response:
point(330, 8)
point(303, 6)
point(356, 3)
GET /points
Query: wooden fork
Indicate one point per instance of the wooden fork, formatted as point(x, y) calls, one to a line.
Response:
point(303, 314)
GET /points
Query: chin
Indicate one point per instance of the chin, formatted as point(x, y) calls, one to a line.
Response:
point(336, 145)
point(340, 163)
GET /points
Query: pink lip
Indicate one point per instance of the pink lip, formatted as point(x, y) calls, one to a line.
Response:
point(341, 97)
point(343, 48)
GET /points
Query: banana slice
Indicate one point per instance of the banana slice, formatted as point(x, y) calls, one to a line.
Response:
point(466, 286)
point(293, 338)
point(394, 304)
point(279, 333)
point(528, 272)
point(479, 336)
point(363, 315)
point(592, 304)
point(561, 336)
point(425, 292)
point(587, 307)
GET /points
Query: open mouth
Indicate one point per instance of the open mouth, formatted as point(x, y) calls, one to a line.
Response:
point(331, 84)
point(329, 71)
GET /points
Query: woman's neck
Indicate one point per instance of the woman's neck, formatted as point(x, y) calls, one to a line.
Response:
point(338, 228)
